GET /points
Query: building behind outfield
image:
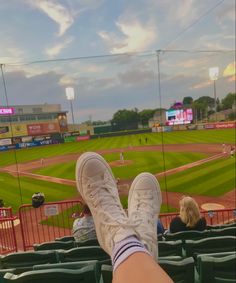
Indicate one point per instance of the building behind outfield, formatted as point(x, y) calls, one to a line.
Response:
point(20, 123)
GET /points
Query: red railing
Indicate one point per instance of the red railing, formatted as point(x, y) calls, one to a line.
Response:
point(55, 219)
point(213, 217)
point(47, 222)
point(7, 231)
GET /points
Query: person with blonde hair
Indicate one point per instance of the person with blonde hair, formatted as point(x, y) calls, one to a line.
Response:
point(189, 217)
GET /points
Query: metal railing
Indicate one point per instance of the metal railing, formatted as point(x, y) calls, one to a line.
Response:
point(55, 219)
point(7, 231)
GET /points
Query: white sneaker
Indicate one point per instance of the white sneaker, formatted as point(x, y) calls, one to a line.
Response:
point(97, 186)
point(144, 205)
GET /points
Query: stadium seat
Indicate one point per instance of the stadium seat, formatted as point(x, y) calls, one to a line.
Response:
point(84, 275)
point(106, 272)
point(210, 245)
point(180, 271)
point(72, 265)
point(186, 235)
point(233, 224)
point(170, 248)
point(213, 269)
point(83, 253)
point(229, 231)
point(92, 242)
point(4, 271)
point(27, 259)
point(65, 239)
point(57, 245)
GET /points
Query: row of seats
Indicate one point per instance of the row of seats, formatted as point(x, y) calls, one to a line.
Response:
point(187, 235)
point(181, 247)
point(64, 245)
point(173, 251)
point(210, 269)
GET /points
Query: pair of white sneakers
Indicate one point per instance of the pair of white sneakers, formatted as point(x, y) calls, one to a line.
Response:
point(97, 186)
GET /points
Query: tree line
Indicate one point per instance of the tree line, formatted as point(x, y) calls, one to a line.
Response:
point(202, 107)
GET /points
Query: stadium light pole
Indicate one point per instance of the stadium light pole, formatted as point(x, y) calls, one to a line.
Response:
point(214, 74)
point(70, 94)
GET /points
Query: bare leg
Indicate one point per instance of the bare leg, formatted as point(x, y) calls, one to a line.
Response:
point(140, 268)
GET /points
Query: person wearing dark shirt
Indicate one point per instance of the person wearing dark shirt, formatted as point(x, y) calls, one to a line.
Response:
point(189, 217)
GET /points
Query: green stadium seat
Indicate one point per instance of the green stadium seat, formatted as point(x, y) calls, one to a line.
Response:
point(180, 271)
point(229, 231)
point(233, 224)
point(4, 271)
point(210, 245)
point(65, 239)
point(83, 253)
point(106, 272)
point(84, 275)
point(170, 248)
point(92, 242)
point(213, 269)
point(186, 235)
point(72, 265)
point(27, 259)
point(57, 245)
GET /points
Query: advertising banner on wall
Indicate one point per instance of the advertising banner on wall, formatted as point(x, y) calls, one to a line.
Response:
point(44, 128)
point(5, 142)
point(222, 125)
point(82, 138)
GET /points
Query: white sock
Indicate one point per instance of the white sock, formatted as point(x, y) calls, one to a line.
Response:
point(124, 249)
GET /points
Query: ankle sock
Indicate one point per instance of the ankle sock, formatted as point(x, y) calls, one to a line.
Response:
point(124, 249)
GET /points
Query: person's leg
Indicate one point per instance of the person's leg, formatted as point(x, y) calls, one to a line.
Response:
point(115, 232)
point(140, 268)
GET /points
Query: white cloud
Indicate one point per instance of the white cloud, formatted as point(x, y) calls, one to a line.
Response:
point(135, 37)
point(58, 47)
point(57, 12)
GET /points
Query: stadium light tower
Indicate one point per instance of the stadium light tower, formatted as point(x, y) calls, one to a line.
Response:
point(70, 94)
point(214, 74)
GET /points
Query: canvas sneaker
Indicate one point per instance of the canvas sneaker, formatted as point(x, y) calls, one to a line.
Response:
point(144, 204)
point(97, 186)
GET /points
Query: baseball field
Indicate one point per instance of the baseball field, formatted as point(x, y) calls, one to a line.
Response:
point(185, 162)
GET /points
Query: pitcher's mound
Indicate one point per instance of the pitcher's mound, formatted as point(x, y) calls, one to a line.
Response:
point(119, 163)
point(212, 206)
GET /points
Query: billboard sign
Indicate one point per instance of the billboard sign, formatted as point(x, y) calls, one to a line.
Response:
point(179, 116)
point(7, 111)
point(44, 128)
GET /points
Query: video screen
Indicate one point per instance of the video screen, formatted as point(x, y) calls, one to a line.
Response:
point(179, 117)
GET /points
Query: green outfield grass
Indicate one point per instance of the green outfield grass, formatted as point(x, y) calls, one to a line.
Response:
point(11, 193)
point(151, 161)
point(214, 178)
point(203, 136)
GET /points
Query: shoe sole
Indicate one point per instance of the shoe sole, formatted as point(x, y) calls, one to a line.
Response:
point(155, 182)
point(85, 157)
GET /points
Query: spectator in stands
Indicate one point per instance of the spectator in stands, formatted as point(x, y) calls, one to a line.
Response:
point(130, 241)
point(83, 227)
point(189, 217)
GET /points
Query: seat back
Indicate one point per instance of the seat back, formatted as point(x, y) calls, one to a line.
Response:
point(186, 235)
point(92, 242)
point(57, 245)
point(65, 239)
point(212, 268)
point(26, 259)
point(106, 272)
point(83, 253)
point(170, 248)
point(180, 271)
point(229, 231)
point(84, 275)
point(210, 245)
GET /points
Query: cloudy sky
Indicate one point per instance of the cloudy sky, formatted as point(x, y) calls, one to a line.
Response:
point(106, 50)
